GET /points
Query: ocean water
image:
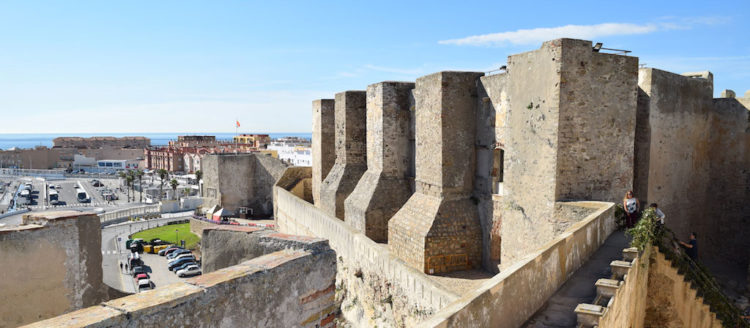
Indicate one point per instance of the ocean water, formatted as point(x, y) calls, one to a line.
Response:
point(19, 140)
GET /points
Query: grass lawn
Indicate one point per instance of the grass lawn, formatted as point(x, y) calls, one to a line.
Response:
point(167, 233)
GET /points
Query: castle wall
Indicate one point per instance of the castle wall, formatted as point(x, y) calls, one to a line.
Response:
point(372, 284)
point(384, 187)
point(671, 301)
point(530, 164)
point(723, 231)
point(241, 180)
point(672, 151)
point(510, 298)
point(351, 154)
point(323, 144)
point(51, 265)
point(598, 102)
point(438, 228)
point(491, 118)
point(289, 288)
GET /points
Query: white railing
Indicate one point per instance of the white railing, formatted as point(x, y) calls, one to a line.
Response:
point(129, 212)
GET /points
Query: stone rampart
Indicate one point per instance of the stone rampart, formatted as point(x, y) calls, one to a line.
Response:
point(287, 288)
point(51, 265)
point(323, 143)
point(413, 296)
point(513, 296)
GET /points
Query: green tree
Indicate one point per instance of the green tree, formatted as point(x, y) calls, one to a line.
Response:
point(163, 174)
point(129, 178)
point(174, 185)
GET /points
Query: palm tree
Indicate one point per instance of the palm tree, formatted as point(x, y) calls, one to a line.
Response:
point(139, 175)
point(174, 185)
point(163, 174)
point(198, 177)
point(129, 179)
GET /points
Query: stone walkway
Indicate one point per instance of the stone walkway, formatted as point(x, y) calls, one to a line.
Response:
point(461, 282)
point(559, 309)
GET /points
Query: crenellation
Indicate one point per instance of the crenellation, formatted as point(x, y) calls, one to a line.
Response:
point(323, 143)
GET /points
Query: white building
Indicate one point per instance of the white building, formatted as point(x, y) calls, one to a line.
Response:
point(293, 154)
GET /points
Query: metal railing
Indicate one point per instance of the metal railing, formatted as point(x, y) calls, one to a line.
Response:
point(130, 212)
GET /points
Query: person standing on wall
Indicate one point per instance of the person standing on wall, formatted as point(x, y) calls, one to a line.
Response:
point(631, 205)
point(659, 214)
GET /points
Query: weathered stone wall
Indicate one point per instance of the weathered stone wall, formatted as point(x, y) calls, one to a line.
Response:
point(51, 265)
point(672, 151)
point(491, 118)
point(289, 288)
point(510, 298)
point(224, 246)
point(384, 187)
point(724, 231)
point(627, 308)
point(570, 125)
point(241, 180)
point(323, 144)
point(530, 164)
point(438, 229)
point(671, 302)
point(351, 155)
point(373, 285)
point(598, 101)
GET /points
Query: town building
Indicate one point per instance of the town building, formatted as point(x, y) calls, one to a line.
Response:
point(293, 151)
point(257, 141)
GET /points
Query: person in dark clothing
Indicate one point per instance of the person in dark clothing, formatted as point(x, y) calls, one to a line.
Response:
point(691, 247)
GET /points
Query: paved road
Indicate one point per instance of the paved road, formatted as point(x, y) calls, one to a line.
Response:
point(114, 251)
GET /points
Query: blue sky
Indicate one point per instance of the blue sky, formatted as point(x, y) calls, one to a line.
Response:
point(196, 66)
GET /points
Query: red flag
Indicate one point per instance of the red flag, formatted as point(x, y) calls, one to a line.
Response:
point(238, 124)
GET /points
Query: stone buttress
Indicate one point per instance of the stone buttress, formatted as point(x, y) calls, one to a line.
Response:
point(351, 158)
point(438, 228)
point(323, 144)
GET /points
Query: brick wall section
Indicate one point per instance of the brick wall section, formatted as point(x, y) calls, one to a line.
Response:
point(323, 143)
point(438, 228)
point(52, 265)
point(351, 155)
point(384, 188)
point(510, 298)
point(289, 288)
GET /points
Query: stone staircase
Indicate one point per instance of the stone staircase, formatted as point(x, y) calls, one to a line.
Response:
point(588, 315)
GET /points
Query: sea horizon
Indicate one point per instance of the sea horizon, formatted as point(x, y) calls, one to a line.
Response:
point(31, 140)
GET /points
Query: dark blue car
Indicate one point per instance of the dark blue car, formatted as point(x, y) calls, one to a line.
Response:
point(178, 268)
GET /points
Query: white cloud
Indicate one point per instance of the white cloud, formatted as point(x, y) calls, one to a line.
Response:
point(586, 32)
point(413, 71)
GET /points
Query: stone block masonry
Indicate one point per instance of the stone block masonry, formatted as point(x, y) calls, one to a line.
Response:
point(293, 287)
point(570, 125)
point(51, 265)
point(385, 187)
point(323, 143)
point(351, 157)
point(438, 228)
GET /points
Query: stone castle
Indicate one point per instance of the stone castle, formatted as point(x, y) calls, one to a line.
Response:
point(467, 200)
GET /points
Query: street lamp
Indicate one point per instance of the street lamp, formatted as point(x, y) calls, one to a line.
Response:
point(177, 233)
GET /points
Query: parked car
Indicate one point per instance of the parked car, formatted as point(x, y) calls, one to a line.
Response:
point(144, 285)
point(163, 252)
point(180, 262)
point(97, 183)
point(182, 256)
point(190, 270)
point(172, 250)
point(184, 266)
point(140, 276)
point(177, 253)
point(159, 248)
point(138, 270)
